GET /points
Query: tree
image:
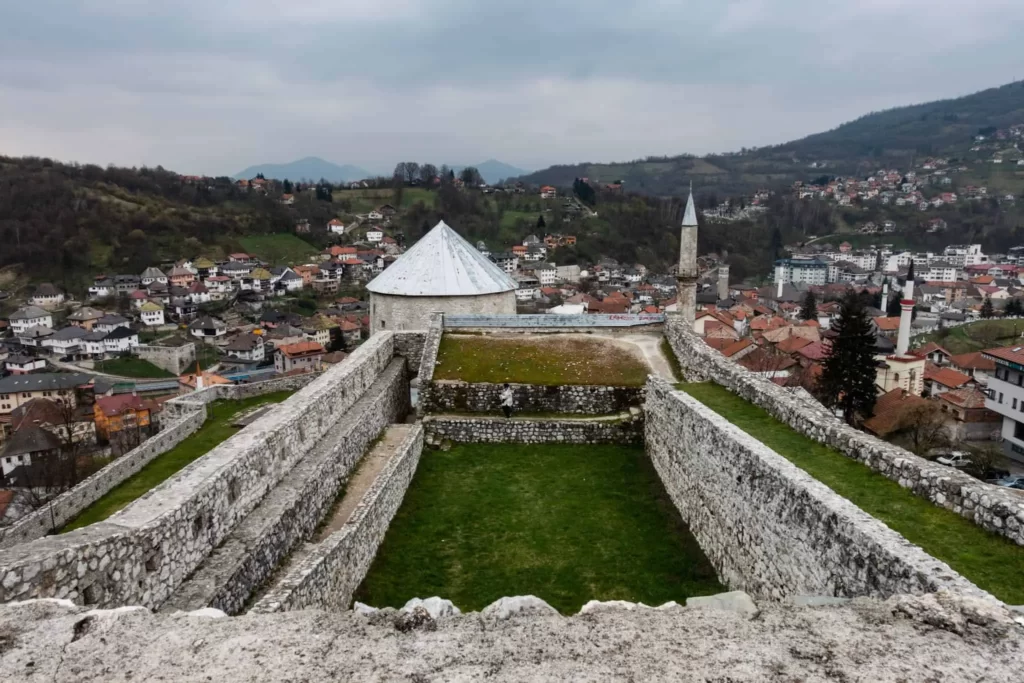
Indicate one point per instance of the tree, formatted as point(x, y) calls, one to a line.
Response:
point(427, 174)
point(286, 186)
point(397, 190)
point(1014, 307)
point(893, 310)
point(412, 171)
point(987, 311)
point(540, 223)
point(809, 310)
point(847, 380)
point(470, 177)
point(923, 428)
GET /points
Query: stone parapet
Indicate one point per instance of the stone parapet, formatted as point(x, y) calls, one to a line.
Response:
point(447, 396)
point(768, 527)
point(328, 577)
point(993, 508)
point(622, 429)
point(144, 552)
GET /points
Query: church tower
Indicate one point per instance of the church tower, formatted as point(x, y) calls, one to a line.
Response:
point(686, 278)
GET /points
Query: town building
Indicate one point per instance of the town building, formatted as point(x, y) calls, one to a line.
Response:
point(247, 348)
point(47, 297)
point(85, 317)
point(120, 413)
point(441, 272)
point(301, 357)
point(27, 317)
point(151, 314)
point(810, 270)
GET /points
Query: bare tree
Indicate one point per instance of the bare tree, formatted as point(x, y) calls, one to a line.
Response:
point(427, 174)
point(923, 428)
point(412, 170)
point(127, 438)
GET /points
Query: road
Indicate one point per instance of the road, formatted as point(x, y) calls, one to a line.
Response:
point(650, 346)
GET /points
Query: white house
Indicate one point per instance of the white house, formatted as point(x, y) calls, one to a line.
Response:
point(102, 289)
point(28, 317)
point(246, 347)
point(375, 215)
point(208, 327)
point(121, 340)
point(47, 296)
point(528, 289)
point(111, 322)
point(152, 314)
point(336, 226)
point(93, 344)
point(374, 235)
point(151, 275)
point(67, 341)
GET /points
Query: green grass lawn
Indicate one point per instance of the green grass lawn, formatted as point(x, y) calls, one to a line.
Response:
point(215, 430)
point(279, 249)
point(132, 367)
point(565, 523)
point(548, 359)
point(984, 334)
point(992, 562)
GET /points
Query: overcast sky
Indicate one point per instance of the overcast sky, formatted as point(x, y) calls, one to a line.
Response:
point(213, 86)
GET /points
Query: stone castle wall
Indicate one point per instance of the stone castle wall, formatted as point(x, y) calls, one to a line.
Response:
point(409, 345)
point(628, 430)
point(143, 553)
point(993, 508)
point(768, 527)
point(294, 509)
point(401, 313)
point(431, 346)
point(182, 417)
point(328, 577)
point(173, 359)
point(447, 396)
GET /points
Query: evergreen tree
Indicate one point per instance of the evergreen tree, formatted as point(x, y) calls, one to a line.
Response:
point(540, 223)
point(809, 311)
point(847, 380)
point(286, 186)
point(893, 309)
point(986, 308)
point(1014, 307)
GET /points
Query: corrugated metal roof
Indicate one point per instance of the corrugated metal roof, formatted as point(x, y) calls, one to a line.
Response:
point(442, 263)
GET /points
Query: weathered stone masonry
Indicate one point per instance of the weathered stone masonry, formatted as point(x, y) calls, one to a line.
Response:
point(991, 507)
point(328, 577)
point(141, 554)
point(445, 396)
point(292, 511)
point(617, 430)
point(768, 527)
point(182, 417)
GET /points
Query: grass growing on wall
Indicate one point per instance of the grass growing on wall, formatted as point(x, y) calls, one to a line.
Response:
point(215, 430)
point(563, 522)
point(546, 359)
point(673, 361)
point(992, 562)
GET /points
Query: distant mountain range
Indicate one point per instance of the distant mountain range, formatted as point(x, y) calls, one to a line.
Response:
point(892, 139)
point(310, 168)
point(315, 168)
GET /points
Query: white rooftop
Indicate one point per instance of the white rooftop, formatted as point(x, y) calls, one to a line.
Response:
point(442, 263)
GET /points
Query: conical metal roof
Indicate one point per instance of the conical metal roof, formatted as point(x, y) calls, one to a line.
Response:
point(690, 215)
point(442, 263)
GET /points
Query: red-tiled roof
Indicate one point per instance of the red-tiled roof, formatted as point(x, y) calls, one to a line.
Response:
point(929, 348)
point(792, 344)
point(735, 347)
point(887, 323)
point(814, 351)
point(968, 397)
point(301, 348)
point(889, 410)
point(972, 361)
point(120, 403)
point(947, 377)
point(1012, 354)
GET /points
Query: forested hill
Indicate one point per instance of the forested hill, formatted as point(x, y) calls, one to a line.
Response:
point(67, 222)
point(891, 138)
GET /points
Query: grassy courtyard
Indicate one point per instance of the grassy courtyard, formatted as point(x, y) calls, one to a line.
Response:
point(992, 562)
point(132, 367)
point(216, 429)
point(545, 359)
point(565, 523)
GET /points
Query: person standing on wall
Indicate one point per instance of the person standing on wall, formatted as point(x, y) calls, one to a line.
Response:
point(507, 400)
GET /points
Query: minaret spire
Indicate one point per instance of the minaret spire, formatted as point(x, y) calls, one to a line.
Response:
point(686, 277)
point(906, 313)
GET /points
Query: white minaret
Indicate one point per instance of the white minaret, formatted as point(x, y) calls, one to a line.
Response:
point(723, 282)
point(885, 296)
point(686, 278)
point(906, 310)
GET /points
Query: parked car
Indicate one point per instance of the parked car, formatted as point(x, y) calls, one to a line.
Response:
point(1014, 482)
point(994, 474)
point(954, 459)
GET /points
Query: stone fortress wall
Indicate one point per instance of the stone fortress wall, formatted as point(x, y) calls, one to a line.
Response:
point(626, 428)
point(991, 507)
point(143, 553)
point(173, 359)
point(447, 396)
point(769, 528)
point(182, 417)
point(328, 577)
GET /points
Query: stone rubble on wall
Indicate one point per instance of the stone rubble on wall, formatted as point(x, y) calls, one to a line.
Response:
point(624, 429)
point(291, 512)
point(409, 345)
point(768, 527)
point(328, 576)
point(174, 359)
point(431, 345)
point(144, 552)
point(993, 508)
point(904, 638)
point(446, 396)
